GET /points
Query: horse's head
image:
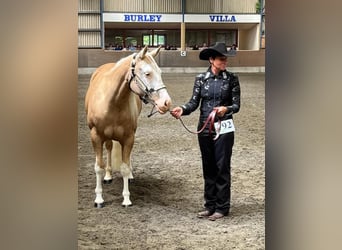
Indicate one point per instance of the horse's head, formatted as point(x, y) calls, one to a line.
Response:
point(147, 81)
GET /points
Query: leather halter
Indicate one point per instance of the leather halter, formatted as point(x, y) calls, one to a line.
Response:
point(146, 98)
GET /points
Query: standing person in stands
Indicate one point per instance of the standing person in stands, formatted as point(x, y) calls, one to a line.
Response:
point(220, 90)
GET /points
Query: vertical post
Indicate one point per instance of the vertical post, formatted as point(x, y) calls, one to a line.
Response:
point(152, 43)
point(102, 25)
point(261, 22)
point(183, 36)
point(183, 27)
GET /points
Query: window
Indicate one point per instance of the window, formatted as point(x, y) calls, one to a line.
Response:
point(154, 40)
point(228, 37)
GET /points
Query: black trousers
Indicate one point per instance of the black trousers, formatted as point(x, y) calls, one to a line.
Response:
point(216, 158)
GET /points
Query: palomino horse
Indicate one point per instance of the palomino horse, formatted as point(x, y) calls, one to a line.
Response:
point(113, 103)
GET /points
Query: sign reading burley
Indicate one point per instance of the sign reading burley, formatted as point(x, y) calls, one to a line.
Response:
point(158, 17)
point(142, 18)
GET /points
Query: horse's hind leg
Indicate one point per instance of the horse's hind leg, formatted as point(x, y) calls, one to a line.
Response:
point(117, 158)
point(108, 177)
point(131, 168)
point(99, 166)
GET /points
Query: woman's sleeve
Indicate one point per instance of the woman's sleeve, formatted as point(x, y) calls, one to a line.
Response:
point(194, 102)
point(235, 107)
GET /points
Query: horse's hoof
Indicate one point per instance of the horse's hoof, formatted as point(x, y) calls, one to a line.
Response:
point(99, 205)
point(107, 181)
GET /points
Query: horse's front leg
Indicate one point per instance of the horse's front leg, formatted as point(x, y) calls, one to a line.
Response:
point(126, 170)
point(99, 167)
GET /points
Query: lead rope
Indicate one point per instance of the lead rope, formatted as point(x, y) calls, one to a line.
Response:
point(152, 113)
point(211, 119)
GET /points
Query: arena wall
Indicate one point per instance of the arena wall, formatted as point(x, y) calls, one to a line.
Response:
point(93, 58)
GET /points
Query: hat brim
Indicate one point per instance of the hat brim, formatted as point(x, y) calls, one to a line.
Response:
point(209, 52)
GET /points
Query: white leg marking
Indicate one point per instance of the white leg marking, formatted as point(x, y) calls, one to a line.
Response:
point(108, 175)
point(125, 193)
point(98, 190)
point(125, 171)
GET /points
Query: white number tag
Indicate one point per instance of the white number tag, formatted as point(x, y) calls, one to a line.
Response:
point(227, 126)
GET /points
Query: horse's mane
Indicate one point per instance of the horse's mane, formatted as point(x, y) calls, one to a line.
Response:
point(150, 60)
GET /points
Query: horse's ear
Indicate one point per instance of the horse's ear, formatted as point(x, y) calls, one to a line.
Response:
point(155, 52)
point(142, 52)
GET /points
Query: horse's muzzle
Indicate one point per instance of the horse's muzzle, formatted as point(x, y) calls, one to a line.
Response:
point(163, 105)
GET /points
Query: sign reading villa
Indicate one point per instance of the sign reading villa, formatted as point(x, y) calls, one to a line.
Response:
point(222, 18)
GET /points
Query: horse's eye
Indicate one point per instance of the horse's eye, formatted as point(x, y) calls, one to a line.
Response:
point(147, 73)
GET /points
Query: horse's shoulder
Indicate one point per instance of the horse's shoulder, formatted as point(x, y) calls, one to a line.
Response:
point(101, 70)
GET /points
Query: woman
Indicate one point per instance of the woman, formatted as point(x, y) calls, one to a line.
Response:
point(219, 90)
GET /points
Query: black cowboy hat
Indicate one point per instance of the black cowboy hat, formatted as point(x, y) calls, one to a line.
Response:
point(219, 49)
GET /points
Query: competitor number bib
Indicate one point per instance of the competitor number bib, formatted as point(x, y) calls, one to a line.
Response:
point(227, 126)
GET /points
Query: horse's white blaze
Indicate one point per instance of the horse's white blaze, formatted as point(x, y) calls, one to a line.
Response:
point(146, 69)
point(164, 101)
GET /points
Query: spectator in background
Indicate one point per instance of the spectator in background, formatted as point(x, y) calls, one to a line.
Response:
point(195, 47)
point(118, 47)
point(131, 47)
point(110, 47)
point(204, 46)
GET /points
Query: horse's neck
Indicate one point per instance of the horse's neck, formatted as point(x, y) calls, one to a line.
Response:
point(121, 92)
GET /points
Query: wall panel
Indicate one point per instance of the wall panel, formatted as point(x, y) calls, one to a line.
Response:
point(175, 6)
point(89, 39)
point(198, 6)
point(143, 6)
point(123, 5)
point(89, 21)
point(162, 6)
point(239, 6)
point(220, 6)
point(88, 5)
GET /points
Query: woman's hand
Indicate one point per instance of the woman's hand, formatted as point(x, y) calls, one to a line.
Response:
point(221, 110)
point(177, 112)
